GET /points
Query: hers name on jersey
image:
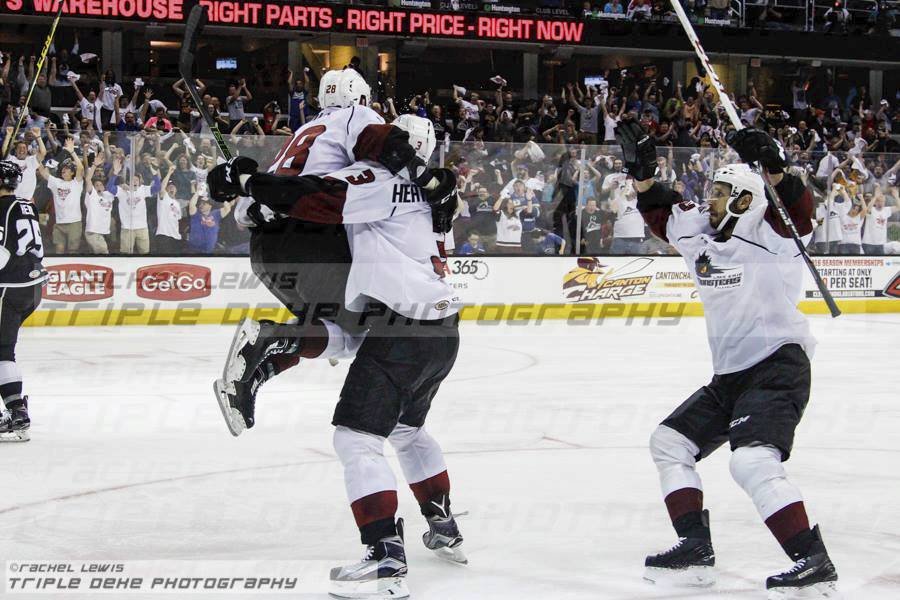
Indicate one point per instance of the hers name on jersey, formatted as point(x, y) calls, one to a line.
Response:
point(716, 277)
point(78, 283)
point(405, 193)
point(174, 281)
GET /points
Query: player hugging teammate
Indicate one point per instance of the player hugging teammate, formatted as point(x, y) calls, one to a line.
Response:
point(385, 266)
point(750, 278)
point(21, 279)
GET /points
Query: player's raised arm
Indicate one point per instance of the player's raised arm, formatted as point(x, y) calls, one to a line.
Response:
point(754, 145)
point(655, 200)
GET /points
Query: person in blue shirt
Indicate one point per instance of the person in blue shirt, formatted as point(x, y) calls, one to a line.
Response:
point(472, 246)
point(205, 223)
point(297, 99)
point(614, 7)
point(547, 242)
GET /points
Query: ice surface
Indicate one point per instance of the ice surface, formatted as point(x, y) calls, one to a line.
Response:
point(545, 430)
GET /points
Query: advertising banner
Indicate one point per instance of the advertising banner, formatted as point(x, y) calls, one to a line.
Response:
point(153, 290)
point(287, 14)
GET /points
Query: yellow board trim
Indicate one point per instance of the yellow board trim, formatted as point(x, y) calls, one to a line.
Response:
point(488, 312)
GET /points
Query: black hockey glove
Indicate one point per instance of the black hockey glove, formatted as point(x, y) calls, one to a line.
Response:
point(263, 217)
point(421, 175)
point(757, 146)
point(638, 150)
point(443, 199)
point(224, 180)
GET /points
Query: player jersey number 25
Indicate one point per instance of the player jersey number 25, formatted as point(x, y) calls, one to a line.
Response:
point(28, 232)
point(292, 158)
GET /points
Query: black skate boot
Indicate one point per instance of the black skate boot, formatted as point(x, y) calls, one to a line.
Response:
point(380, 574)
point(690, 562)
point(15, 423)
point(812, 576)
point(237, 399)
point(443, 537)
point(253, 343)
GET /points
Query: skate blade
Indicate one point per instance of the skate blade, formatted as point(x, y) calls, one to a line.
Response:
point(247, 333)
point(388, 587)
point(21, 435)
point(689, 577)
point(454, 555)
point(826, 589)
point(233, 418)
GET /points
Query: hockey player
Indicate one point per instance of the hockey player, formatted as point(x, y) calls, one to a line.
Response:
point(750, 277)
point(305, 264)
point(21, 279)
point(397, 281)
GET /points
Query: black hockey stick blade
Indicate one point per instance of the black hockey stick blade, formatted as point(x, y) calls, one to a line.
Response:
point(194, 25)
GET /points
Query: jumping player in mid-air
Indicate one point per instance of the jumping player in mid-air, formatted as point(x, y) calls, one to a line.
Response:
point(749, 274)
point(396, 282)
point(303, 263)
point(21, 277)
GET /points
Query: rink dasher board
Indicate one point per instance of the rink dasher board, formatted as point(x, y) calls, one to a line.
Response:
point(219, 290)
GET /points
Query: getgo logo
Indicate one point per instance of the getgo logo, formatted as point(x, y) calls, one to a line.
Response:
point(173, 281)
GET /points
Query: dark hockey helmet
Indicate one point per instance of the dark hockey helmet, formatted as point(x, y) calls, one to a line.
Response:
point(10, 174)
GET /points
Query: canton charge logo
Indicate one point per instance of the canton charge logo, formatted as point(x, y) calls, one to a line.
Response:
point(173, 281)
point(893, 288)
point(592, 281)
point(78, 283)
point(711, 276)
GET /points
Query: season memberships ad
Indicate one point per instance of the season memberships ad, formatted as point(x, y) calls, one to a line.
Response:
point(859, 276)
point(304, 16)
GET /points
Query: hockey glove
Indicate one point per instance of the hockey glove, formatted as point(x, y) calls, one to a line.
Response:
point(263, 217)
point(224, 180)
point(443, 199)
point(421, 175)
point(638, 150)
point(756, 146)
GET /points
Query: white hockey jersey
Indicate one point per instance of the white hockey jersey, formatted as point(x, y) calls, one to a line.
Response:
point(398, 259)
point(325, 144)
point(750, 285)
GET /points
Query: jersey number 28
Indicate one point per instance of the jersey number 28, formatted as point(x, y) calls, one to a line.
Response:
point(293, 157)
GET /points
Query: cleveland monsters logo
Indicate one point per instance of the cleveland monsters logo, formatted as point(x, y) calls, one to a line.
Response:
point(712, 276)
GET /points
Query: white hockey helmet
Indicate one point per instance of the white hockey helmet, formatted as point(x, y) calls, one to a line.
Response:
point(343, 88)
point(421, 134)
point(742, 180)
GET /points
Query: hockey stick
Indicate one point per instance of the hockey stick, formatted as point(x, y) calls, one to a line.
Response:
point(37, 72)
point(772, 195)
point(193, 28)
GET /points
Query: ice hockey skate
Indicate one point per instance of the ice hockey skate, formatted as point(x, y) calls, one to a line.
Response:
point(237, 399)
point(690, 562)
point(253, 342)
point(812, 576)
point(380, 574)
point(15, 424)
point(443, 537)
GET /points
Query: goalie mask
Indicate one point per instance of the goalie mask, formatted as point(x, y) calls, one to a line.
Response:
point(742, 181)
point(343, 88)
point(421, 134)
point(10, 175)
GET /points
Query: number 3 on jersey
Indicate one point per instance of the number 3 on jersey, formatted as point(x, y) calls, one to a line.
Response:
point(292, 158)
